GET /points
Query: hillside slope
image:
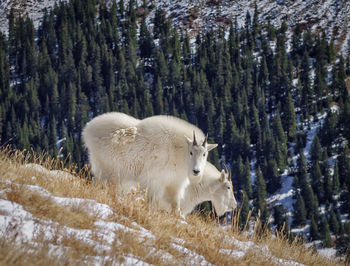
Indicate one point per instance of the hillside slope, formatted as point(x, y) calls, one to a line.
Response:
point(50, 217)
point(330, 16)
point(32, 8)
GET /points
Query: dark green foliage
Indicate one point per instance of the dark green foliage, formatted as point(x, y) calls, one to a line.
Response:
point(299, 213)
point(316, 150)
point(304, 186)
point(344, 166)
point(260, 194)
point(345, 199)
point(345, 120)
point(244, 210)
point(280, 218)
point(289, 118)
point(330, 129)
point(273, 176)
point(278, 129)
point(242, 177)
point(317, 179)
point(338, 80)
point(335, 182)
point(325, 233)
point(306, 88)
point(334, 223)
point(327, 182)
point(313, 229)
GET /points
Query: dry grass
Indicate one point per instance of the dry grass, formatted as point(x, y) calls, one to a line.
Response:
point(201, 236)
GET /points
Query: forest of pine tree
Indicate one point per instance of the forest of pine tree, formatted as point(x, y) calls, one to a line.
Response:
point(251, 88)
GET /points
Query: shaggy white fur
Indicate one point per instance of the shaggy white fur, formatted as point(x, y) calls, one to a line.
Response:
point(215, 186)
point(156, 153)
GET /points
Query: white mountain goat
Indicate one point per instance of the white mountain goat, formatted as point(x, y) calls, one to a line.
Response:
point(215, 186)
point(155, 152)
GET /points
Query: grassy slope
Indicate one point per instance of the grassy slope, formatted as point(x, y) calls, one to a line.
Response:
point(204, 237)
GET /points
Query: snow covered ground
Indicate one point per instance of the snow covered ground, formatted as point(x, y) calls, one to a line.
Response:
point(29, 230)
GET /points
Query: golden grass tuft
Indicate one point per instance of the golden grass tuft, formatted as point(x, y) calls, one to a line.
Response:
point(201, 236)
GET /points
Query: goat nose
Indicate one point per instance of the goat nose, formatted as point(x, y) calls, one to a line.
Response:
point(196, 172)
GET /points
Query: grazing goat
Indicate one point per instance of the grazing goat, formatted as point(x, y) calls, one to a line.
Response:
point(215, 186)
point(155, 152)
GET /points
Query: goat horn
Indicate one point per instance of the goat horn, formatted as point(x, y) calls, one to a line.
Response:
point(205, 140)
point(194, 138)
point(228, 171)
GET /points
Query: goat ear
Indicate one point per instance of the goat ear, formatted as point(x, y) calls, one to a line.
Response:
point(211, 146)
point(222, 176)
point(188, 140)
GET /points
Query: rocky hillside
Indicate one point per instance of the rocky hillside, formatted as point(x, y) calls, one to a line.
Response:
point(330, 16)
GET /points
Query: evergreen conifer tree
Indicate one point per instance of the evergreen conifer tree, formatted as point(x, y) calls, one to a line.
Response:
point(244, 211)
point(299, 211)
point(313, 229)
point(333, 222)
point(316, 149)
point(325, 233)
point(335, 180)
point(317, 179)
point(280, 218)
point(289, 118)
point(260, 194)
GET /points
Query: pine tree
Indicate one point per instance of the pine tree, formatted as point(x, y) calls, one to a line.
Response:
point(345, 198)
point(255, 129)
point(278, 129)
point(299, 211)
point(325, 233)
point(320, 51)
point(247, 179)
point(316, 149)
point(5, 90)
point(330, 129)
point(158, 93)
point(344, 166)
point(305, 188)
point(338, 83)
point(317, 179)
point(280, 217)
point(306, 89)
point(260, 194)
point(333, 222)
point(289, 118)
point(313, 229)
point(274, 182)
point(52, 140)
point(335, 183)
point(244, 211)
point(327, 182)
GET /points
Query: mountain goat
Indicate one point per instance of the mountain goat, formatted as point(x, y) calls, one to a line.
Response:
point(215, 186)
point(155, 152)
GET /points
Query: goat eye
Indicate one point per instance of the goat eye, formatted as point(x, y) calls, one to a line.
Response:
point(191, 153)
point(228, 188)
point(203, 154)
